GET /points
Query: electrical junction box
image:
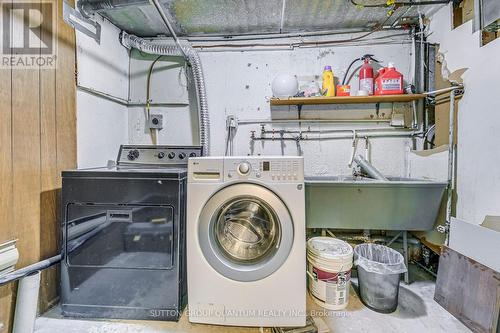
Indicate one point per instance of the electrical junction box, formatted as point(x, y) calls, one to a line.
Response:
point(156, 121)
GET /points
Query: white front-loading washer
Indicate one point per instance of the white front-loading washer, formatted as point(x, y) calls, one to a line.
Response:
point(246, 241)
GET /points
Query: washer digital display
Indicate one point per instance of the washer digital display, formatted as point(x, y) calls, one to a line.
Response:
point(265, 166)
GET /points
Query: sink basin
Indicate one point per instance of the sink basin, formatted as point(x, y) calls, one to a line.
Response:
point(344, 202)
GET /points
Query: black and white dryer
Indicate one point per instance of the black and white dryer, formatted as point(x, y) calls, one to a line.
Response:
point(123, 236)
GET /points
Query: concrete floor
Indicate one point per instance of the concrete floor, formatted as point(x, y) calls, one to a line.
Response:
point(417, 312)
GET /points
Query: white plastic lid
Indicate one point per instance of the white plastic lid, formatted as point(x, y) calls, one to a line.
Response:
point(329, 248)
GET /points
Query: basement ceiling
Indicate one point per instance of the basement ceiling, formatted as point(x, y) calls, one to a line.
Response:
point(237, 17)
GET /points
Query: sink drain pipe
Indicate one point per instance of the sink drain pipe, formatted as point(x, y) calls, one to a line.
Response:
point(169, 48)
point(369, 169)
point(27, 293)
point(26, 303)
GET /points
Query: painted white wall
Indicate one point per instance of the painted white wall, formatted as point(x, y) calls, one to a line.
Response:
point(101, 125)
point(478, 182)
point(169, 84)
point(101, 129)
point(238, 83)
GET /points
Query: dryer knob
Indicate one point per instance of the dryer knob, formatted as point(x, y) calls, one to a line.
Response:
point(244, 168)
point(133, 154)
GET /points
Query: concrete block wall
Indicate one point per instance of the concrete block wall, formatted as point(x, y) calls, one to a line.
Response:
point(239, 84)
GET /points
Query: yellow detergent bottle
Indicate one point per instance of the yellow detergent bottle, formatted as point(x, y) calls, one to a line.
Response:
point(328, 82)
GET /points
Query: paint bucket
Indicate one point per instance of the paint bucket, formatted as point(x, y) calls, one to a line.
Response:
point(329, 263)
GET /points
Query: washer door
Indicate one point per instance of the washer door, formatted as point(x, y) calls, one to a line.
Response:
point(245, 237)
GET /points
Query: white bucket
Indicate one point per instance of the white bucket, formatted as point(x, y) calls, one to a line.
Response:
point(329, 263)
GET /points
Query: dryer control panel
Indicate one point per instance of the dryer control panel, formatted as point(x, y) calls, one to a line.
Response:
point(270, 169)
point(156, 155)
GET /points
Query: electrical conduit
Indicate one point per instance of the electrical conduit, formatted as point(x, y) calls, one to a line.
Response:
point(168, 48)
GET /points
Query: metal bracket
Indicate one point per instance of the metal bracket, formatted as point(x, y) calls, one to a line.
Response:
point(88, 27)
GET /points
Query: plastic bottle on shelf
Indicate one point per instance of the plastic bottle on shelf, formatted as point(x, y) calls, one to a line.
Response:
point(389, 81)
point(328, 82)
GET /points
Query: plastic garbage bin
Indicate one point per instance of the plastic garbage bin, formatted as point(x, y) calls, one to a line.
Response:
point(379, 272)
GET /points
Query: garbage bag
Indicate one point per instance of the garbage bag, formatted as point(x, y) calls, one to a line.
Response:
point(379, 259)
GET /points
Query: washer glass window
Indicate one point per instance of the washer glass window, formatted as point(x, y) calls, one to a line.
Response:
point(245, 237)
point(246, 230)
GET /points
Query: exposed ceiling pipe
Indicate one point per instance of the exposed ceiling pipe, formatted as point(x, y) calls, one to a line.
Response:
point(169, 26)
point(390, 3)
point(376, 28)
point(88, 8)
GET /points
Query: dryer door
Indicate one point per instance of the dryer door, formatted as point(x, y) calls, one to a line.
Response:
point(245, 232)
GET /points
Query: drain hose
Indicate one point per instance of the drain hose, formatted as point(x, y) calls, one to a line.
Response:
point(170, 49)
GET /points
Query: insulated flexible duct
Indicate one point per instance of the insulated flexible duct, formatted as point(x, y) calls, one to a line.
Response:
point(170, 49)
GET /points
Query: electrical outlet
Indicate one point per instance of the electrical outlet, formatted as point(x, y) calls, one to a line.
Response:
point(156, 121)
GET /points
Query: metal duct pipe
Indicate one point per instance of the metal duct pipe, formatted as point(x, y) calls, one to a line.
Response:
point(170, 28)
point(370, 169)
point(88, 8)
point(170, 49)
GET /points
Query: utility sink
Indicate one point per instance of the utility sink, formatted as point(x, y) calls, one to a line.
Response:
point(345, 202)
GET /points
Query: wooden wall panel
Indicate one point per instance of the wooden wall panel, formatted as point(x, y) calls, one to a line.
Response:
point(26, 163)
point(37, 142)
point(5, 154)
point(49, 180)
point(5, 183)
point(66, 94)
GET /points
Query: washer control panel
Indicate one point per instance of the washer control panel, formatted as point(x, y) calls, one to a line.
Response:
point(156, 155)
point(274, 168)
